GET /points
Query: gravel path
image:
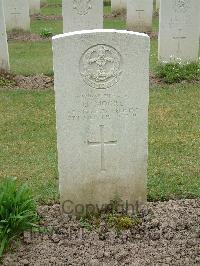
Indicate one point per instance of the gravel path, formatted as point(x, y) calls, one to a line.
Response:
point(168, 235)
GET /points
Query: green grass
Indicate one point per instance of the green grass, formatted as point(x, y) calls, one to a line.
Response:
point(30, 58)
point(177, 72)
point(28, 140)
point(153, 55)
point(107, 10)
point(114, 24)
point(17, 213)
point(38, 25)
point(52, 8)
point(174, 141)
point(155, 24)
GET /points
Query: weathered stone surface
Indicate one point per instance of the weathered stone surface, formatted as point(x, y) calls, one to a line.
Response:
point(118, 5)
point(139, 15)
point(102, 87)
point(4, 56)
point(179, 30)
point(34, 6)
point(82, 15)
point(17, 14)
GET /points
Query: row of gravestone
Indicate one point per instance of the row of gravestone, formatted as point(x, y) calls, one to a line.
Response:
point(139, 15)
point(14, 14)
point(17, 13)
point(179, 25)
point(102, 94)
point(178, 29)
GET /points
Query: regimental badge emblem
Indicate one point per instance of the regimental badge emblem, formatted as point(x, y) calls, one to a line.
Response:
point(82, 6)
point(101, 66)
point(182, 5)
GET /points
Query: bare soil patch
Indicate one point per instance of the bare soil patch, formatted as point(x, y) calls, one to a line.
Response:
point(168, 235)
point(42, 82)
point(114, 15)
point(35, 82)
point(32, 37)
point(25, 36)
point(46, 17)
point(39, 81)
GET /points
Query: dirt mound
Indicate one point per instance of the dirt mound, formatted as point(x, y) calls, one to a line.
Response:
point(39, 81)
point(114, 15)
point(25, 36)
point(35, 82)
point(168, 235)
point(46, 17)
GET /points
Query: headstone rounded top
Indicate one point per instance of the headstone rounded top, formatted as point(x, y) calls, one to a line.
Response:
point(99, 31)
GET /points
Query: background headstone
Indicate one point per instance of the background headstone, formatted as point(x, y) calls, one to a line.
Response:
point(179, 30)
point(139, 15)
point(102, 87)
point(82, 15)
point(4, 56)
point(34, 6)
point(118, 5)
point(17, 14)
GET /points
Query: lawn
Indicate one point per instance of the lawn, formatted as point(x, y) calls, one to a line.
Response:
point(28, 134)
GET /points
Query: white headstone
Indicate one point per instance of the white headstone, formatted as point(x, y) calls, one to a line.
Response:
point(34, 6)
point(17, 14)
point(102, 87)
point(118, 6)
point(82, 15)
point(139, 15)
point(4, 56)
point(179, 30)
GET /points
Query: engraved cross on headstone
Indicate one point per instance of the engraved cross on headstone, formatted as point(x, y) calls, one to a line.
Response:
point(15, 12)
point(102, 142)
point(179, 38)
point(139, 16)
point(140, 10)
